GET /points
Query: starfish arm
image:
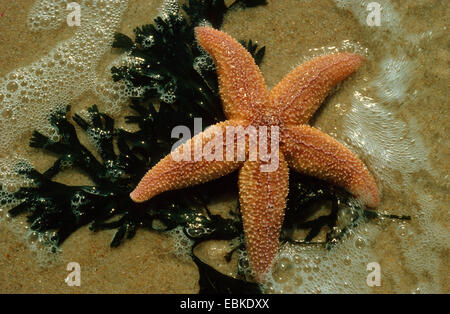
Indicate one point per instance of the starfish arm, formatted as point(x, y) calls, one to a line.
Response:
point(242, 87)
point(317, 154)
point(263, 200)
point(300, 93)
point(186, 165)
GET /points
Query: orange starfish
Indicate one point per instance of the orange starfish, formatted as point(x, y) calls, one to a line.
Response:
point(247, 102)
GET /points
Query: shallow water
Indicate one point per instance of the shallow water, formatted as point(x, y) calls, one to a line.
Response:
point(393, 113)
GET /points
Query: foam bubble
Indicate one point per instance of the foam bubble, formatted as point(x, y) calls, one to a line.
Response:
point(30, 93)
point(182, 243)
point(387, 142)
point(169, 7)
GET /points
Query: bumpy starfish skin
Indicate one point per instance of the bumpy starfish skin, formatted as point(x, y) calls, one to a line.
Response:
point(262, 196)
point(242, 87)
point(300, 93)
point(247, 102)
point(317, 154)
point(170, 174)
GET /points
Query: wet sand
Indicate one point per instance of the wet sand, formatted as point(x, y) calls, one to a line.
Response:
point(288, 29)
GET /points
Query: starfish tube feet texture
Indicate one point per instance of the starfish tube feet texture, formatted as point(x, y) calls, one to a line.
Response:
point(300, 93)
point(262, 196)
point(312, 152)
point(241, 84)
point(287, 108)
point(185, 166)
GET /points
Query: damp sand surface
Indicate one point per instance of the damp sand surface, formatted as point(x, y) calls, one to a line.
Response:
point(413, 256)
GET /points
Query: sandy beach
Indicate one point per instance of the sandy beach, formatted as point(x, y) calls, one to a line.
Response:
point(394, 113)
